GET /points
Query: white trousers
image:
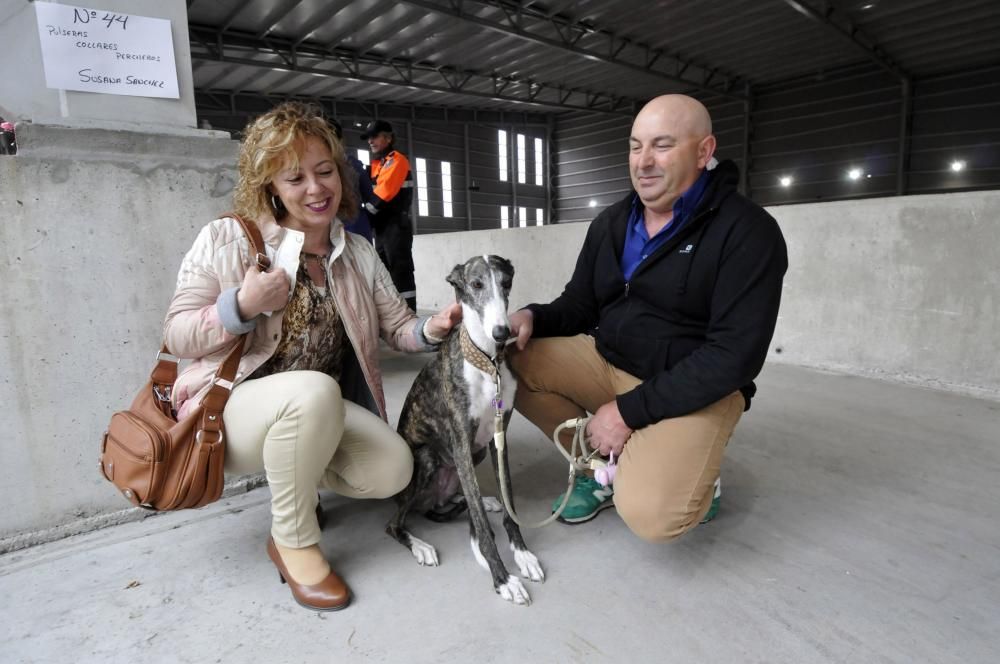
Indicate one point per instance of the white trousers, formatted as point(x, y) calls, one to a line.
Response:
point(298, 429)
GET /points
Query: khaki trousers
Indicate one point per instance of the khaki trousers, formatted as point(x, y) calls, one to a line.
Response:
point(666, 474)
point(298, 429)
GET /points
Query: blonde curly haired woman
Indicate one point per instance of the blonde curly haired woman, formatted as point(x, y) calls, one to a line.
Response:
point(307, 406)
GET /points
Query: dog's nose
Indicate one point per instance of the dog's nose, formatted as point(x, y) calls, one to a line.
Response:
point(500, 333)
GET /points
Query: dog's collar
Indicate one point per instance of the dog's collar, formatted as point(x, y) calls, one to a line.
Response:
point(475, 356)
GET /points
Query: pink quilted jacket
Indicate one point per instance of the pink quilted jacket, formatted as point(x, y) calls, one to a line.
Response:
point(362, 288)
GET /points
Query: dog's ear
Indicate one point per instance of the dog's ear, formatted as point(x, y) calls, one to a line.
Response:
point(457, 277)
point(506, 265)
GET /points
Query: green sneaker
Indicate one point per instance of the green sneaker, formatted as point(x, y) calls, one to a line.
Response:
point(713, 511)
point(585, 501)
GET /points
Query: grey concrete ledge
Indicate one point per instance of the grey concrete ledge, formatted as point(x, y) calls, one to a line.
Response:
point(44, 141)
point(987, 393)
point(236, 486)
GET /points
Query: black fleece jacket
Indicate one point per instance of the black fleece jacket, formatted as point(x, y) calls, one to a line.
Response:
point(695, 320)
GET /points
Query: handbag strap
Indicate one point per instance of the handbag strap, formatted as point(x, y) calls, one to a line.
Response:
point(256, 241)
point(165, 372)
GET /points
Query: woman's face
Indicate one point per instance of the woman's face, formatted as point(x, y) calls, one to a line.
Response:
point(312, 193)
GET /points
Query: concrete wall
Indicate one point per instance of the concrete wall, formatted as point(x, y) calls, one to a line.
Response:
point(23, 95)
point(903, 288)
point(906, 288)
point(90, 242)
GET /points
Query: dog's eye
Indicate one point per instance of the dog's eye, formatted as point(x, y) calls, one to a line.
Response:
point(477, 285)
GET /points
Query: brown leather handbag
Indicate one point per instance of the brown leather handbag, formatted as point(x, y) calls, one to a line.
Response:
point(158, 462)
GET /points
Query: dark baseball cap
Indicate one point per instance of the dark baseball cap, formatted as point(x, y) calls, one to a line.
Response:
point(376, 127)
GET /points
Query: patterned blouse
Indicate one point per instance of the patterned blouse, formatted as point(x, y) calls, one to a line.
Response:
point(312, 332)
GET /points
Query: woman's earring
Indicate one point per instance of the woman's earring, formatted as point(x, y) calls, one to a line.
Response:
point(276, 203)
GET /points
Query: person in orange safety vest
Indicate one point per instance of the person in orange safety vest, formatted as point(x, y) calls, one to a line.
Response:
point(389, 207)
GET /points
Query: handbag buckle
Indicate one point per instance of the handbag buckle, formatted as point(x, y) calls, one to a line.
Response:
point(222, 382)
point(201, 434)
point(162, 394)
point(169, 357)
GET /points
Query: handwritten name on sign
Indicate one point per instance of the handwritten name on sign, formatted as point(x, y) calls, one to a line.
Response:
point(94, 50)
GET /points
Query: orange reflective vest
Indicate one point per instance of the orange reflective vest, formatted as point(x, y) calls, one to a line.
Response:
point(392, 185)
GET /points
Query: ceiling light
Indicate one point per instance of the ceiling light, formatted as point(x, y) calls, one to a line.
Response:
point(958, 165)
point(786, 180)
point(593, 203)
point(855, 174)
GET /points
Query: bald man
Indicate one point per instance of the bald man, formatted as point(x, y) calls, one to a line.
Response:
point(662, 328)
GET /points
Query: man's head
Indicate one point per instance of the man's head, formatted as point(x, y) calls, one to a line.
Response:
point(670, 144)
point(378, 133)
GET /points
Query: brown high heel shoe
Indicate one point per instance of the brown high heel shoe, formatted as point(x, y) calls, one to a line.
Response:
point(330, 594)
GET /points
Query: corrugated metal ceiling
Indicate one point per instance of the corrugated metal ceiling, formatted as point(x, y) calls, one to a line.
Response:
point(602, 55)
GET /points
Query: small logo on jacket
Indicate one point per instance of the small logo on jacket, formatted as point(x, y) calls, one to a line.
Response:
point(687, 249)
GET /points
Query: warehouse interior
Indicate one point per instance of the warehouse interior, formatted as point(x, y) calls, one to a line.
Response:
point(904, 92)
point(859, 504)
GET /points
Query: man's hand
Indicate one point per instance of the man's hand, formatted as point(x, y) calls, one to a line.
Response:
point(440, 324)
point(607, 431)
point(522, 323)
point(262, 291)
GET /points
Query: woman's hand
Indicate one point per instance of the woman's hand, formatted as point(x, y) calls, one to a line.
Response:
point(440, 324)
point(262, 291)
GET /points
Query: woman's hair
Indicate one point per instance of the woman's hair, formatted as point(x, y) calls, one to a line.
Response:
point(271, 143)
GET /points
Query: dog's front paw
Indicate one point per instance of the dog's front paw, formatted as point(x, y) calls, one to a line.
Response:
point(491, 504)
point(528, 563)
point(423, 552)
point(513, 591)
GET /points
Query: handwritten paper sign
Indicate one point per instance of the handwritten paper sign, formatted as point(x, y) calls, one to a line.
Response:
point(94, 50)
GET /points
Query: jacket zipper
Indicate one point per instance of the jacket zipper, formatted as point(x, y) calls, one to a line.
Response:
point(674, 242)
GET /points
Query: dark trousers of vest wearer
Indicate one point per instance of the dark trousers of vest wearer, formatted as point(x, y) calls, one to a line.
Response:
point(394, 243)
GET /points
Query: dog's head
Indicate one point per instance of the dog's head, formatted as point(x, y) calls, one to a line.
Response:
point(482, 286)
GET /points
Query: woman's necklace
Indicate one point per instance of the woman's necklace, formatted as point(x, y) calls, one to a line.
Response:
point(319, 259)
point(317, 271)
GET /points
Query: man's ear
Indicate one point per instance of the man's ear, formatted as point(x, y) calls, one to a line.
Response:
point(706, 148)
point(457, 277)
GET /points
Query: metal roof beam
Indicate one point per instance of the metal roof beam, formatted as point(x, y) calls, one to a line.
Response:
point(380, 33)
point(347, 108)
point(233, 15)
point(297, 91)
point(349, 27)
point(241, 48)
point(246, 80)
point(226, 71)
point(277, 15)
point(852, 35)
point(592, 104)
point(571, 35)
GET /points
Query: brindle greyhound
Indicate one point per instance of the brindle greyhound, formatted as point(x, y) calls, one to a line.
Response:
point(449, 419)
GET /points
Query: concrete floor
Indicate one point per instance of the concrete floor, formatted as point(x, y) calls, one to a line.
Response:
point(858, 524)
